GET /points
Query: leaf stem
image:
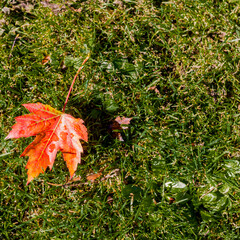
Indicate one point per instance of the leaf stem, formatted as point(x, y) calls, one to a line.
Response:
point(13, 46)
point(70, 89)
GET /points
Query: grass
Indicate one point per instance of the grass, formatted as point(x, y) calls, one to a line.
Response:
point(173, 67)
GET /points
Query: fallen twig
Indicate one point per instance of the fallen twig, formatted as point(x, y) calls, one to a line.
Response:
point(91, 178)
point(210, 190)
point(13, 46)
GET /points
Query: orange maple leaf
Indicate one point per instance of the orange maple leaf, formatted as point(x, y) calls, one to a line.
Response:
point(54, 131)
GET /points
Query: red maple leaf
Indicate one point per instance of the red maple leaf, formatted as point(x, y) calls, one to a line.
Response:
point(54, 131)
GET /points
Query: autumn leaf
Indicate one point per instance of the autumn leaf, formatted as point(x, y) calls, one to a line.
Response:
point(54, 131)
point(154, 88)
point(119, 123)
point(46, 60)
point(123, 121)
point(93, 177)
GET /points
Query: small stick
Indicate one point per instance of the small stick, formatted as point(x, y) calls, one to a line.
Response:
point(112, 174)
point(70, 89)
point(210, 190)
point(13, 46)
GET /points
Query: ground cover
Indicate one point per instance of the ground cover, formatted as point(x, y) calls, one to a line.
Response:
point(171, 66)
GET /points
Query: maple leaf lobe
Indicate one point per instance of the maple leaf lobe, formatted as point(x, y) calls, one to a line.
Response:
point(34, 123)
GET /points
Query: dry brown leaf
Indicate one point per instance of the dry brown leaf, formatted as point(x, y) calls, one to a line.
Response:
point(119, 124)
point(93, 177)
point(154, 88)
point(46, 60)
point(55, 7)
point(123, 121)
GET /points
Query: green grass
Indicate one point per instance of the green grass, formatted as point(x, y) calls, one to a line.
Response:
point(173, 67)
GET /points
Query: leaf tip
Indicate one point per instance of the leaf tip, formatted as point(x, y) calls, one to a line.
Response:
point(72, 174)
point(29, 180)
point(10, 135)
